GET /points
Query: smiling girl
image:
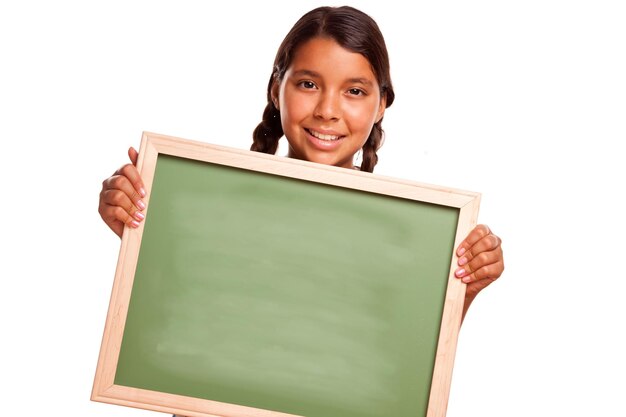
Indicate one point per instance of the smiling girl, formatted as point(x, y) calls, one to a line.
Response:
point(327, 95)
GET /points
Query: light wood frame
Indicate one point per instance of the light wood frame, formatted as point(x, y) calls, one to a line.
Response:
point(104, 389)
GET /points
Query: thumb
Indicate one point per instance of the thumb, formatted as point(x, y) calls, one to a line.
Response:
point(132, 154)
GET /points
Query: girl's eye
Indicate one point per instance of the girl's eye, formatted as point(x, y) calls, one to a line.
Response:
point(356, 92)
point(307, 84)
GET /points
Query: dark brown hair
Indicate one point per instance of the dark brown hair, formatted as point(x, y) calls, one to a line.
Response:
point(354, 31)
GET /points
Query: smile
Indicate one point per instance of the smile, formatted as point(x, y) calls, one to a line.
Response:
point(322, 136)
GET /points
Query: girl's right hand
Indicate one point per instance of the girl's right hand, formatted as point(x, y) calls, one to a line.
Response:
point(121, 197)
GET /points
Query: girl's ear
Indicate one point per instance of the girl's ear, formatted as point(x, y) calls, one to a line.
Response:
point(274, 93)
point(381, 108)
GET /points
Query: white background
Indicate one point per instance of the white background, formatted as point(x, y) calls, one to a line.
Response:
point(524, 102)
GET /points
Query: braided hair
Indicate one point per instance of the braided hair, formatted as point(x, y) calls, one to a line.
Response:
point(268, 132)
point(353, 30)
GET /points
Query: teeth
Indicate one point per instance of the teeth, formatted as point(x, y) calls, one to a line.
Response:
point(322, 136)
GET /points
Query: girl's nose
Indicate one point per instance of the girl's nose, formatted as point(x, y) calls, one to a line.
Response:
point(328, 106)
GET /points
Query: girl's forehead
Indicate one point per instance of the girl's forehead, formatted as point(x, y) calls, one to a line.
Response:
point(325, 55)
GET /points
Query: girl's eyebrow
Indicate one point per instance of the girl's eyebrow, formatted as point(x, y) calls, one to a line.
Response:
point(306, 73)
point(313, 74)
point(363, 81)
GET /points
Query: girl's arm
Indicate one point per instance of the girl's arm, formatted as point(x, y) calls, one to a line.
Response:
point(481, 262)
point(120, 198)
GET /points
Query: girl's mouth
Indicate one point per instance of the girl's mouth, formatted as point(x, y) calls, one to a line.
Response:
point(322, 136)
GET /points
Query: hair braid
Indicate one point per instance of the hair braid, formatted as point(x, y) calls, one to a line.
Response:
point(268, 132)
point(372, 144)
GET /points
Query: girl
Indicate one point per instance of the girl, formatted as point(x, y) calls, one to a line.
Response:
point(327, 94)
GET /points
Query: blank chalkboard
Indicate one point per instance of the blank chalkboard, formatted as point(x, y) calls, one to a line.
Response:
point(263, 286)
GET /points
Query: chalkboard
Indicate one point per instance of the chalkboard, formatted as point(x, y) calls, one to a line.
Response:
point(263, 286)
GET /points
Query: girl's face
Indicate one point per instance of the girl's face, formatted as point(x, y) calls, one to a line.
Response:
point(329, 100)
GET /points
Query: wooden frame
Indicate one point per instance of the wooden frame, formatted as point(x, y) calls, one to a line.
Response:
point(104, 388)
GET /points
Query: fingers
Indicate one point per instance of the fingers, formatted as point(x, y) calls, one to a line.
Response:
point(128, 181)
point(123, 208)
point(487, 265)
point(132, 154)
point(475, 235)
point(121, 199)
point(116, 218)
point(488, 243)
point(132, 175)
point(480, 256)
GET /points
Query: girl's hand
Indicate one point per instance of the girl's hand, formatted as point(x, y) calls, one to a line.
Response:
point(480, 262)
point(120, 198)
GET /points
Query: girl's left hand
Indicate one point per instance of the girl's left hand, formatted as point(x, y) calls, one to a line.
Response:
point(480, 261)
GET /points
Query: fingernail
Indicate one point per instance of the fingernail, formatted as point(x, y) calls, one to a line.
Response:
point(462, 261)
point(461, 251)
point(466, 279)
point(134, 224)
point(141, 204)
point(142, 192)
point(139, 216)
point(459, 272)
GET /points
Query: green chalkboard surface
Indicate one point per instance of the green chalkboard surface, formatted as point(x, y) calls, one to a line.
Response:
point(287, 295)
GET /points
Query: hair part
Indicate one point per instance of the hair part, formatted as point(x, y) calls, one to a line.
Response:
point(354, 31)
